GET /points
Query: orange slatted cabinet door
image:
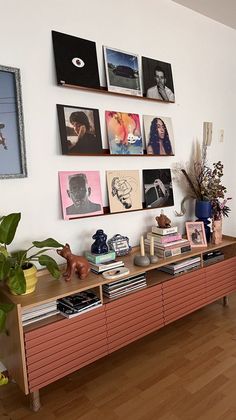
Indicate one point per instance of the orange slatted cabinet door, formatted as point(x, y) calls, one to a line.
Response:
point(220, 279)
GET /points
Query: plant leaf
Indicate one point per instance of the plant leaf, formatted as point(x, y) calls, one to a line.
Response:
point(8, 227)
point(2, 320)
point(49, 242)
point(16, 281)
point(5, 265)
point(51, 265)
point(6, 307)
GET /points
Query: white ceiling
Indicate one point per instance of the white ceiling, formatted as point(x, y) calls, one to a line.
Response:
point(223, 11)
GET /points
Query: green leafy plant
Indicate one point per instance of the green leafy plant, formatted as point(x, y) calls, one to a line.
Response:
point(12, 265)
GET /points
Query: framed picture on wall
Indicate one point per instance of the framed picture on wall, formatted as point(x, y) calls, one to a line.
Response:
point(159, 135)
point(196, 234)
point(124, 133)
point(79, 130)
point(12, 140)
point(122, 71)
point(157, 188)
point(124, 191)
point(80, 193)
point(76, 60)
point(157, 80)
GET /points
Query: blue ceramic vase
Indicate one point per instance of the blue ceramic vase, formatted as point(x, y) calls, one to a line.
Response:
point(203, 212)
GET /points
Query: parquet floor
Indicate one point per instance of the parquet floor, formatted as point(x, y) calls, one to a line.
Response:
point(185, 371)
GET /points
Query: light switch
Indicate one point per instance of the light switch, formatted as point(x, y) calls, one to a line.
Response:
point(222, 134)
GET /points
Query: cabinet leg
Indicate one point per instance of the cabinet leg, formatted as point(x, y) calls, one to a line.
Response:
point(35, 401)
point(225, 301)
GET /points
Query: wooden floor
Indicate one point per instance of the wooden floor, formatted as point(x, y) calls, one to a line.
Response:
point(186, 371)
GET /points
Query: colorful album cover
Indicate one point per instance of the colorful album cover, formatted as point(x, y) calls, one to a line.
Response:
point(124, 133)
point(158, 188)
point(124, 191)
point(76, 60)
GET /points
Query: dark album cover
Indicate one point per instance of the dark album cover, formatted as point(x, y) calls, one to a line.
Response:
point(76, 60)
point(157, 188)
point(157, 80)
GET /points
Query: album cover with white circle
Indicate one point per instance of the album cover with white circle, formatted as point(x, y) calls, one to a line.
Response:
point(75, 60)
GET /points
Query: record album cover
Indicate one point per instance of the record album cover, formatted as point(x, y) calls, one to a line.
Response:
point(158, 188)
point(76, 60)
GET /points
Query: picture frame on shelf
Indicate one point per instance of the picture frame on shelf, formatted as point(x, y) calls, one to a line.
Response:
point(76, 60)
point(196, 234)
point(124, 133)
point(157, 80)
point(80, 130)
point(12, 137)
point(124, 190)
point(159, 135)
point(80, 194)
point(123, 71)
point(157, 185)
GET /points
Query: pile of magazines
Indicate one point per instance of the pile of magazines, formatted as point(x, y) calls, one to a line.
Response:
point(74, 305)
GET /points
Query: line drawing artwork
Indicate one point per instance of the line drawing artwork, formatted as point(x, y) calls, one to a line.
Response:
point(124, 191)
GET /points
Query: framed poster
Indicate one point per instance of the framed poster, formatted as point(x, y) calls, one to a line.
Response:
point(80, 193)
point(159, 135)
point(196, 234)
point(122, 71)
point(76, 60)
point(124, 191)
point(157, 80)
point(124, 133)
point(12, 140)
point(79, 130)
point(158, 188)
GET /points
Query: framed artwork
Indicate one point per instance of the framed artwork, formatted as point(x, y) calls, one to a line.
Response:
point(79, 130)
point(157, 80)
point(196, 234)
point(124, 191)
point(12, 140)
point(159, 135)
point(158, 188)
point(124, 133)
point(76, 60)
point(80, 193)
point(122, 71)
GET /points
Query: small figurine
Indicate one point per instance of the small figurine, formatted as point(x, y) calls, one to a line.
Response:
point(163, 221)
point(99, 246)
point(75, 263)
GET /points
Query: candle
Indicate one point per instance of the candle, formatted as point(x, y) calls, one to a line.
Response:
point(152, 246)
point(142, 246)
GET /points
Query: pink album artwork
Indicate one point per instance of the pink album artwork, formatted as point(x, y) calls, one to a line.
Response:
point(124, 133)
point(80, 194)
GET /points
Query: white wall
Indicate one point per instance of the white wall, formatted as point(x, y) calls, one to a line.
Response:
point(202, 54)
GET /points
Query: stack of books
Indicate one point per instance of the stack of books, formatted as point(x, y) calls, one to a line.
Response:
point(74, 305)
point(123, 287)
point(106, 266)
point(182, 266)
point(39, 312)
point(100, 258)
point(167, 242)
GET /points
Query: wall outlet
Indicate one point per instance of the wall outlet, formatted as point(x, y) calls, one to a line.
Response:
point(222, 135)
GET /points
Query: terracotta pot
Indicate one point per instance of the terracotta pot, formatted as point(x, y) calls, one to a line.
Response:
point(217, 231)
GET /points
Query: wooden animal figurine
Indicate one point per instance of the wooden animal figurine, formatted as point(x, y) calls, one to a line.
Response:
point(75, 263)
point(163, 221)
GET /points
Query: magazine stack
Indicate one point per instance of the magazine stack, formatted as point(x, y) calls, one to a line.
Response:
point(39, 312)
point(167, 242)
point(123, 287)
point(79, 303)
point(106, 266)
point(182, 266)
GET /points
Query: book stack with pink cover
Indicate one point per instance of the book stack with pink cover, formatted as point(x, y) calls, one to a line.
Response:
point(168, 242)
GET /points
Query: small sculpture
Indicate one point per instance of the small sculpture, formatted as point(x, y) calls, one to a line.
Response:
point(75, 263)
point(163, 221)
point(99, 246)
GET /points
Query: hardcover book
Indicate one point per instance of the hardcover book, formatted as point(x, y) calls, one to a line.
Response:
point(165, 238)
point(100, 258)
point(164, 231)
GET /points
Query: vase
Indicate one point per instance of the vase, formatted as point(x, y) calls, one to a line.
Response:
point(203, 212)
point(217, 232)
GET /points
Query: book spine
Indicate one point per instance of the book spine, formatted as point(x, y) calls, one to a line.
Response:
point(170, 245)
point(97, 259)
point(164, 239)
point(171, 252)
point(164, 231)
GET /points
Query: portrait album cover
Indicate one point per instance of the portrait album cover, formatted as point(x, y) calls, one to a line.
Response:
point(124, 133)
point(157, 80)
point(159, 135)
point(75, 60)
point(122, 71)
point(79, 130)
point(80, 193)
point(124, 191)
point(157, 185)
point(196, 234)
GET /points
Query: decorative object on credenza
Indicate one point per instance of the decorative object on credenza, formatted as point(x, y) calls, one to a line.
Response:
point(75, 264)
point(163, 221)
point(152, 257)
point(203, 212)
point(116, 274)
point(158, 135)
point(99, 246)
point(196, 234)
point(157, 188)
point(12, 141)
point(141, 259)
point(219, 210)
point(76, 60)
point(122, 71)
point(124, 191)
point(120, 244)
point(157, 80)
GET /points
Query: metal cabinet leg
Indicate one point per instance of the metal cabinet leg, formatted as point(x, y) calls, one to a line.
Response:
point(225, 301)
point(35, 401)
